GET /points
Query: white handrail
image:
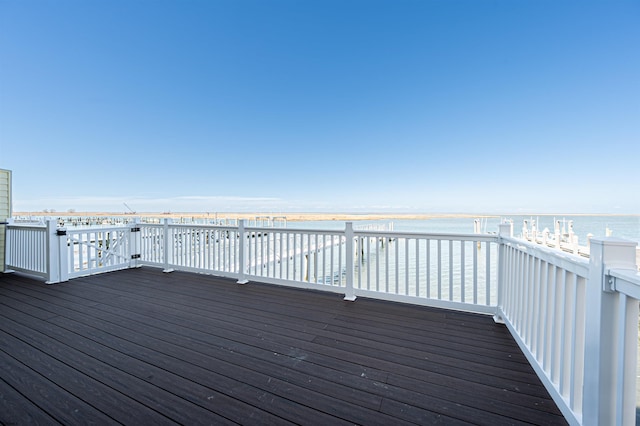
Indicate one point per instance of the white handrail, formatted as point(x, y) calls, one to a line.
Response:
point(625, 281)
point(455, 271)
point(543, 305)
point(576, 322)
point(567, 261)
point(611, 337)
point(27, 247)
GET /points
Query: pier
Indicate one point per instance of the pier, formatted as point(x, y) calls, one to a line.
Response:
point(563, 238)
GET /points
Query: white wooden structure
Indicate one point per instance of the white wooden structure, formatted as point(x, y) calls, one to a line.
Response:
point(575, 319)
point(5, 211)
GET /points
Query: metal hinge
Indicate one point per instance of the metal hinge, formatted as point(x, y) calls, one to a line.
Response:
point(61, 232)
point(608, 282)
point(136, 229)
point(135, 256)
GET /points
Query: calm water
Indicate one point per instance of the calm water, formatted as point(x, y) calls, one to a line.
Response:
point(619, 226)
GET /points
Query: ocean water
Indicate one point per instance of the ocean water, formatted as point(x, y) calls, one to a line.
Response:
point(627, 227)
point(393, 257)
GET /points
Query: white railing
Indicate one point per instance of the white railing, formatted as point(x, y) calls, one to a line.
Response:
point(57, 254)
point(152, 244)
point(611, 333)
point(543, 305)
point(456, 271)
point(304, 258)
point(34, 249)
point(27, 249)
point(96, 250)
point(626, 284)
point(196, 248)
point(577, 323)
point(576, 320)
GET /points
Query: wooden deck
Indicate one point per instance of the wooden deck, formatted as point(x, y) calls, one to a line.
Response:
point(141, 347)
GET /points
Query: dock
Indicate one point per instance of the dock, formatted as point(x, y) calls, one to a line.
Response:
point(561, 239)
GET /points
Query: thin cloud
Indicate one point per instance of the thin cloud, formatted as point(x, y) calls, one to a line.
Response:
point(185, 203)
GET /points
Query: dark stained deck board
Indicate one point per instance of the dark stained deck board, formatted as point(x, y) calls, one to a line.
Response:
point(433, 343)
point(145, 364)
point(326, 330)
point(190, 348)
point(74, 382)
point(17, 409)
point(98, 362)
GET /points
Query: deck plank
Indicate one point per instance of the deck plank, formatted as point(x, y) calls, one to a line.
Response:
point(141, 345)
point(66, 408)
point(72, 380)
point(16, 408)
point(98, 364)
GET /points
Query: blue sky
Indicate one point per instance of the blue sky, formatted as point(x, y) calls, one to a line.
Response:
point(344, 106)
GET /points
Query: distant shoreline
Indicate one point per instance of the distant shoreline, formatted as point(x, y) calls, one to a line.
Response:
point(292, 217)
point(304, 217)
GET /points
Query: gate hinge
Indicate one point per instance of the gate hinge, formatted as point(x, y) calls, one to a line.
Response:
point(136, 229)
point(135, 256)
point(61, 232)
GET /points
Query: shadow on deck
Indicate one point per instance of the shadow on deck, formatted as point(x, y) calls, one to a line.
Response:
point(143, 347)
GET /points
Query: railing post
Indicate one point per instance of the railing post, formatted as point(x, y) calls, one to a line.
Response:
point(57, 253)
point(602, 327)
point(168, 246)
point(63, 256)
point(135, 240)
point(4, 223)
point(349, 236)
point(241, 252)
point(504, 230)
point(5, 252)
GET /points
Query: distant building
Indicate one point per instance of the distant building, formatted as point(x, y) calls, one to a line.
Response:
point(5, 211)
